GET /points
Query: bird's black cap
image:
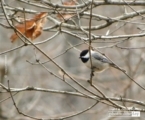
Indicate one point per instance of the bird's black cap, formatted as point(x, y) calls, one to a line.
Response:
point(83, 53)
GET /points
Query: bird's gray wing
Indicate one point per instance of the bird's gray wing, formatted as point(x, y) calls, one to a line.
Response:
point(105, 60)
point(101, 58)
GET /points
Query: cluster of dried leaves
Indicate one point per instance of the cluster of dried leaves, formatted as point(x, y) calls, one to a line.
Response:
point(33, 28)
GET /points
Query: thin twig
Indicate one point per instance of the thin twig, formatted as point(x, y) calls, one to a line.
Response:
point(16, 105)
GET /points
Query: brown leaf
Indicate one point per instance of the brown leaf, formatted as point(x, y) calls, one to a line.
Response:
point(41, 17)
point(31, 28)
point(65, 16)
point(70, 3)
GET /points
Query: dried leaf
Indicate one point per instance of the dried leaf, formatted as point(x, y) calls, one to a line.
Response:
point(31, 28)
point(65, 16)
point(70, 3)
point(41, 17)
point(27, 26)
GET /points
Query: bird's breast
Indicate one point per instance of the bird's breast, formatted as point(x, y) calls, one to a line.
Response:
point(97, 65)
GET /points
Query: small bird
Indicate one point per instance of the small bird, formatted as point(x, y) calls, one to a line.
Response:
point(99, 61)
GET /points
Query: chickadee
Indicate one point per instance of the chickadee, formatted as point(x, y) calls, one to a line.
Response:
point(99, 62)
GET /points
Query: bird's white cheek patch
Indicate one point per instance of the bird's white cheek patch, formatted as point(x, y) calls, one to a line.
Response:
point(86, 56)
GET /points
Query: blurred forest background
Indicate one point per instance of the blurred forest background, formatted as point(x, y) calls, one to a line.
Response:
point(48, 89)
